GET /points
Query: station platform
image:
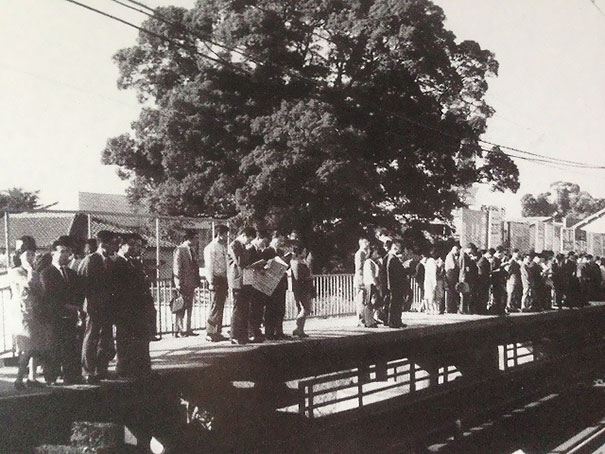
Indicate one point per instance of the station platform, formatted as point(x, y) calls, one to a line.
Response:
point(180, 356)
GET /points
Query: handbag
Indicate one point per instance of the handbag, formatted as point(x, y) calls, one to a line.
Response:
point(463, 287)
point(177, 304)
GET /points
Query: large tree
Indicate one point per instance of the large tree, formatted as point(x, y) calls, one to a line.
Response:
point(563, 200)
point(17, 199)
point(320, 115)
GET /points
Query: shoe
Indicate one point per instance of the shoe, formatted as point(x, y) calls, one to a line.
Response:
point(239, 341)
point(270, 337)
point(257, 339)
point(33, 384)
point(191, 333)
point(91, 380)
point(19, 386)
point(155, 338)
point(303, 335)
point(375, 325)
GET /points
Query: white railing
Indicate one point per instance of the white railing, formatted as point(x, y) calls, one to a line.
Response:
point(335, 297)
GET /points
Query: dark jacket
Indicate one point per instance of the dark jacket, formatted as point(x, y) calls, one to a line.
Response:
point(238, 258)
point(484, 269)
point(302, 283)
point(133, 296)
point(98, 283)
point(61, 298)
point(396, 278)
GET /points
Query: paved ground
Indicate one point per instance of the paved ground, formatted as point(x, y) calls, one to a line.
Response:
point(173, 353)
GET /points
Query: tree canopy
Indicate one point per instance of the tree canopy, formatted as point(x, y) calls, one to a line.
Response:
point(17, 199)
point(319, 115)
point(563, 200)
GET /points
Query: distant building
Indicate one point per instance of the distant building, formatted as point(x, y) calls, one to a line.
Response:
point(484, 227)
point(107, 212)
point(588, 235)
point(108, 203)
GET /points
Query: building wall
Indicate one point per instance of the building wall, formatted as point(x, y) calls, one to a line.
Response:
point(519, 236)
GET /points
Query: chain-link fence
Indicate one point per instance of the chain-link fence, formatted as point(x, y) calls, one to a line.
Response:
point(162, 234)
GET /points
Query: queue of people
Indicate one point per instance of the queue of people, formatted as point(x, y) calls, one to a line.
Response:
point(65, 307)
point(252, 310)
point(470, 281)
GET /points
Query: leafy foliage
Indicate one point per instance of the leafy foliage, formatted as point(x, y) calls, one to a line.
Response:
point(319, 115)
point(17, 199)
point(564, 200)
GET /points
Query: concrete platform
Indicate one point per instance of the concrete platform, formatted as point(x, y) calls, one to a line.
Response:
point(172, 356)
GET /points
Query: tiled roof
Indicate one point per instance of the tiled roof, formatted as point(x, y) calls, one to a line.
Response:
point(144, 228)
point(112, 203)
point(44, 227)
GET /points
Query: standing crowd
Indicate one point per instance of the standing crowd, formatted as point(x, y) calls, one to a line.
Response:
point(65, 306)
point(470, 281)
point(72, 313)
point(225, 264)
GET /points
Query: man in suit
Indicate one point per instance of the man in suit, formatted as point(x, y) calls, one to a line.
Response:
point(239, 256)
point(186, 274)
point(452, 273)
point(361, 255)
point(62, 301)
point(258, 300)
point(97, 272)
point(215, 261)
point(397, 285)
point(275, 310)
point(484, 269)
point(134, 304)
point(468, 276)
point(560, 280)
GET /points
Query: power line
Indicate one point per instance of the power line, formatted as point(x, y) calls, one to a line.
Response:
point(597, 7)
point(144, 30)
point(407, 119)
point(65, 84)
point(158, 16)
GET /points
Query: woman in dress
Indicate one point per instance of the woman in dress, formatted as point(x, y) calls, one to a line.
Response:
point(371, 282)
point(28, 328)
point(302, 288)
point(430, 283)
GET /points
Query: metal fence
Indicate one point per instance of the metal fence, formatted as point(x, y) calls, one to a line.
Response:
point(161, 233)
point(335, 297)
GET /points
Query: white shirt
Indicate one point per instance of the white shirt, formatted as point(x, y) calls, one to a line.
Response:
point(215, 259)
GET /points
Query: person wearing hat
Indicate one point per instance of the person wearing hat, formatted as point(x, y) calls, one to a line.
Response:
point(467, 280)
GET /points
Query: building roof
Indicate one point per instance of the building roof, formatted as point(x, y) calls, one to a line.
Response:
point(531, 219)
point(111, 203)
point(44, 227)
point(589, 220)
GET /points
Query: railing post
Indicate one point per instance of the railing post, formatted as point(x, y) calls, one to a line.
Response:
point(157, 267)
point(6, 239)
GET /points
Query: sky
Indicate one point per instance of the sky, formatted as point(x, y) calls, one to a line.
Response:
point(59, 101)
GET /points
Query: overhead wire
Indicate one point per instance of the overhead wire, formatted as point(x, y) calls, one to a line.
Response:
point(156, 15)
point(399, 115)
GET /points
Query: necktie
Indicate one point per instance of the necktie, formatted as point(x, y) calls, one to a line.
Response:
point(64, 274)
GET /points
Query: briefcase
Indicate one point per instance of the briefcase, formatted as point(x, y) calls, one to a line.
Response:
point(177, 304)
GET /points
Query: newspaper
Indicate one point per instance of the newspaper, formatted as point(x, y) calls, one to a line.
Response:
point(265, 278)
